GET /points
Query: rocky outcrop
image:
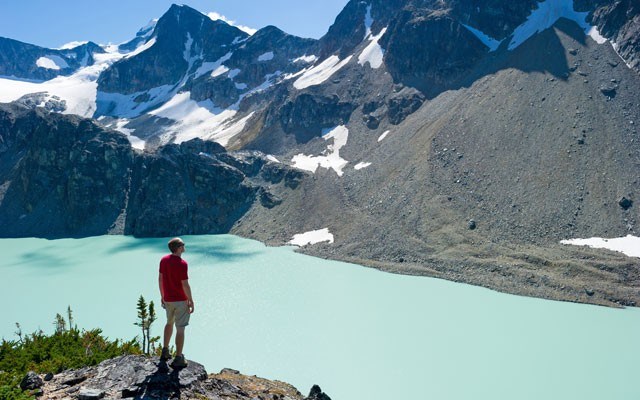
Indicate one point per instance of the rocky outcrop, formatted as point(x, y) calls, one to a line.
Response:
point(61, 175)
point(185, 189)
point(619, 21)
point(430, 50)
point(307, 114)
point(66, 176)
point(143, 377)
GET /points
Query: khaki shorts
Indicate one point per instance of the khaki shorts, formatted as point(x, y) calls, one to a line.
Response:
point(177, 313)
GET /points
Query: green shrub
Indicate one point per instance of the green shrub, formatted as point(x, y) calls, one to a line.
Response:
point(64, 349)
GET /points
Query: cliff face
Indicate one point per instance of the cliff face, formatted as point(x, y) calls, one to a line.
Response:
point(148, 377)
point(67, 176)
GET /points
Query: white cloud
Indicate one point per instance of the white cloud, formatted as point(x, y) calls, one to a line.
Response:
point(215, 16)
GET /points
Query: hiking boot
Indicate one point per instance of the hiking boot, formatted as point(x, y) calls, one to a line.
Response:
point(166, 355)
point(179, 362)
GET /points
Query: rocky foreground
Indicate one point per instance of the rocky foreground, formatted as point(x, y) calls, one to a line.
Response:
point(143, 377)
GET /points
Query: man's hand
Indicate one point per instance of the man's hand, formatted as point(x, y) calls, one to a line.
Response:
point(191, 306)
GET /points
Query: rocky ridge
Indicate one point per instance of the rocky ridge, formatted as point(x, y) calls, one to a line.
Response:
point(26, 61)
point(144, 377)
point(67, 176)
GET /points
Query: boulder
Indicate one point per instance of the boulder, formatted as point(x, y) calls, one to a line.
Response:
point(31, 381)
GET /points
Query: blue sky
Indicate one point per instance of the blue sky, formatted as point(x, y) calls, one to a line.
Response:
point(50, 23)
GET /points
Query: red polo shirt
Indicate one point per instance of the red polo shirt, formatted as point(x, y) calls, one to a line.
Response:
point(174, 271)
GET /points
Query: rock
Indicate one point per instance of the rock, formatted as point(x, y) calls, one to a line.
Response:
point(589, 292)
point(317, 394)
point(472, 224)
point(625, 203)
point(307, 114)
point(48, 377)
point(268, 199)
point(608, 90)
point(404, 103)
point(134, 376)
point(90, 394)
point(31, 381)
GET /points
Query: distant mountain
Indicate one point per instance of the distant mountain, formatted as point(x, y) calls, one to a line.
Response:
point(20, 60)
point(450, 138)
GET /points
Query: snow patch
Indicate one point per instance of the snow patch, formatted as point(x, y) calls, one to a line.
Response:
point(487, 40)
point(125, 105)
point(199, 120)
point(135, 141)
point(219, 71)
point(373, 53)
point(266, 56)
point(320, 73)
point(272, 158)
point(629, 245)
point(332, 160)
point(78, 90)
point(312, 237)
point(306, 59)
point(142, 48)
point(241, 86)
point(233, 73)
point(72, 45)
point(215, 16)
point(52, 62)
point(384, 135)
point(361, 165)
point(187, 49)
point(212, 66)
point(547, 13)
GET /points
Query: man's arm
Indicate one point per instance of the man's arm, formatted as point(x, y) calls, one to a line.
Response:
point(161, 289)
point(187, 291)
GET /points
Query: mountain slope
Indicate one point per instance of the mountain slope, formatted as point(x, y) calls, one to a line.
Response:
point(441, 138)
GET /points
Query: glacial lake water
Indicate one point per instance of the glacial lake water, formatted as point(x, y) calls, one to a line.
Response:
point(357, 332)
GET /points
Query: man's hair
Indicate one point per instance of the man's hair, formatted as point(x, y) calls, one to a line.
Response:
point(174, 244)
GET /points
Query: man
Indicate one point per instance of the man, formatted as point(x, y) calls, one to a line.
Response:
point(175, 293)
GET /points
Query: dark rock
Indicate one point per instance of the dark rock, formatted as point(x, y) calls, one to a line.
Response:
point(48, 377)
point(307, 114)
point(404, 103)
point(429, 50)
point(625, 203)
point(317, 394)
point(31, 381)
point(147, 377)
point(472, 224)
point(609, 90)
point(589, 292)
point(371, 121)
point(229, 371)
point(293, 178)
point(268, 199)
point(90, 394)
point(67, 176)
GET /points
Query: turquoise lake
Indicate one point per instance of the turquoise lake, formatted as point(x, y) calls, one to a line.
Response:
point(357, 332)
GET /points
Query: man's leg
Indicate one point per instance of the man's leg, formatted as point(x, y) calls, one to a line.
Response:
point(179, 340)
point(168, 331)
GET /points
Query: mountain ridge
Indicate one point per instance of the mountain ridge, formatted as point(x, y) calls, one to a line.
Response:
point(426, 139)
